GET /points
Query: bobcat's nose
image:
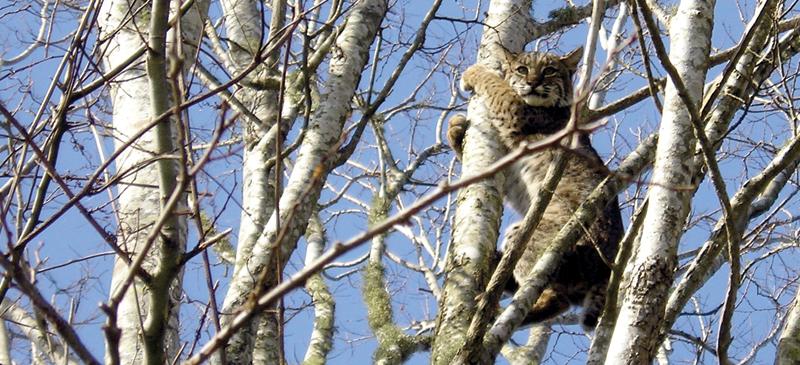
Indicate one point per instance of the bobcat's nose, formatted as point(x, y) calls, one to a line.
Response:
point(535, 82)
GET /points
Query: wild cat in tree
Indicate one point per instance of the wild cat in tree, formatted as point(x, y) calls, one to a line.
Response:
point(532, 102)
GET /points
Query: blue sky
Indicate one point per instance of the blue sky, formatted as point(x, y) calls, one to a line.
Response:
point(71, 238)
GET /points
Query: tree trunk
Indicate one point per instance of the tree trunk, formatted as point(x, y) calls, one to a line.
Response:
point(789, 344)
point(636, 332)
point(480, 205)
point(243, 26)
point(139, 202)
point(311, 167)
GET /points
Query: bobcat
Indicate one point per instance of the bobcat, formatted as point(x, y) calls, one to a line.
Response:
point(530, 103)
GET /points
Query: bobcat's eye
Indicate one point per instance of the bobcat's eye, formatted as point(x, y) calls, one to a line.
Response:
point(522, 70)
point(549, 71)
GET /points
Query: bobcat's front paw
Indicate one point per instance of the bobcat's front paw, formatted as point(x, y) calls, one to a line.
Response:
point(456, 130)
point(470, 76)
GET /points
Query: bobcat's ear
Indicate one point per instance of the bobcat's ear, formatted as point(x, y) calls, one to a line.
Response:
point(572, 59)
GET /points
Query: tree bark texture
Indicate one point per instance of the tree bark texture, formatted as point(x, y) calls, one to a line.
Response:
point(479, 206)
point(636, 332)
point(243, 25)
point(324, 134)
point(789, 344)
point(139, 201)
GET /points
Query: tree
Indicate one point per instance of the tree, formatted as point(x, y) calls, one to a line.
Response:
point(241, 182)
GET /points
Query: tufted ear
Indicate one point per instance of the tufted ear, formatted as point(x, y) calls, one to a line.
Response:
point(572, 59)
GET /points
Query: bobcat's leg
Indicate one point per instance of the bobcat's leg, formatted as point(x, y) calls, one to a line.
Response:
point(593, 305)
point(550, 304)
point(484, 81)
point(456, 130)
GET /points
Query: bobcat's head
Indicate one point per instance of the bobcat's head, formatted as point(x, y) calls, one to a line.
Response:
point(542, 79)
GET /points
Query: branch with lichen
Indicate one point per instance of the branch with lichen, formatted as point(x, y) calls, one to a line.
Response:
point(394, 345)
point(321, 340)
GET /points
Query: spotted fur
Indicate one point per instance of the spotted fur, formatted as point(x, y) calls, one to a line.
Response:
point(530, 103)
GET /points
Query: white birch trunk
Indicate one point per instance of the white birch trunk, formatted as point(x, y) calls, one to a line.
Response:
point(321, 340)
point(789, 344)
point(138, 199)
point(315, 156)
point(41, 341)
point(635, 338)
point(243, 28)
point(5, 342)
point(480, 205)
point(737, 89)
